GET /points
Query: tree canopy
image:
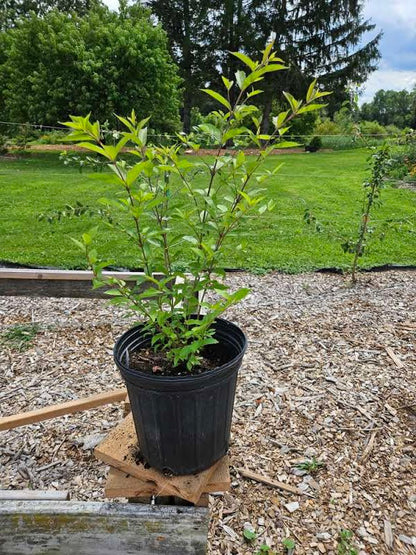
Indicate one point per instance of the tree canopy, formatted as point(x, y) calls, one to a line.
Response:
point(12, 11)
point(392, 108)
point(101, 62)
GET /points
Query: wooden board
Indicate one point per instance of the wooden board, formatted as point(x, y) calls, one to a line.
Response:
point(91, 528)
point(58, 283)
point(119, 449)
point(52, 411)
point(33, 495)
point(120, 484)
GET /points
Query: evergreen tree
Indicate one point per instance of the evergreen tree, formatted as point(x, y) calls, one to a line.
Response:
point(323, 39)
point(12, 11)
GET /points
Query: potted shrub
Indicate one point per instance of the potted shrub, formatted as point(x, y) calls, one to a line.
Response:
point(314, 144)
point(180, 362)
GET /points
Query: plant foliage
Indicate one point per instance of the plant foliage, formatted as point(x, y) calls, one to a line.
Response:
point(169, 210)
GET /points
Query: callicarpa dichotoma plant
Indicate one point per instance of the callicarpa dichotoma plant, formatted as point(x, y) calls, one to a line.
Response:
point(170, 211)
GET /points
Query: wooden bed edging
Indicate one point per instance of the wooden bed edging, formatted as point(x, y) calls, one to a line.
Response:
point(28, 282)
point(39, 527)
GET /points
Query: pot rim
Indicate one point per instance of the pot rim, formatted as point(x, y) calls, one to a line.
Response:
point(127, 338)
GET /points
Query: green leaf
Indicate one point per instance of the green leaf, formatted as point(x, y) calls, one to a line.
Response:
point(240, 77)
point(86, 237)
point(289, 543)
point(272, 68)
point(142, 136)
point(218, 97)
point(320, 94)
point(249, 535)
point(114, 293)
point(294, 104)
point(134, 173)
point(211, 130)
point(231, 133)
point(190, 239)
point(311, 108)
point(254, 93)
point(267, 51)
point(311, 90)
point(79, 244)
point(93, 148)
point(228, 84)
point(240, 294)
point(286, 144)
point(245, 59)
point(280, 119)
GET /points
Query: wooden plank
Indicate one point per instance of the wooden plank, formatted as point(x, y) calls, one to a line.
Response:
point(88, 528)
point(44, 288)
point(120, 484)
point(62, 275)
point(369, 447)
point(52, 411)
point(59, 283)
point(394, 357)
point(119, 449)
point(33, 495)
point(268, 481)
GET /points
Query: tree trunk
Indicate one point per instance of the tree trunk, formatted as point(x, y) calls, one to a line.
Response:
point(186, 112)
point(265, 120)
point(187, 67)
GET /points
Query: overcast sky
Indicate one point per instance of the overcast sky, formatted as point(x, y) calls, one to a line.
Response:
point(397, 68)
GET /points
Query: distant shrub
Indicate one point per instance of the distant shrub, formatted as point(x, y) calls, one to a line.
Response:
point(314, 144)
point(52, 138)
point(327, 127)
point(393, 130)
point(404, 158)
point(372, 128)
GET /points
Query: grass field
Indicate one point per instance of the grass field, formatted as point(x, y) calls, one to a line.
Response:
point(328, 183)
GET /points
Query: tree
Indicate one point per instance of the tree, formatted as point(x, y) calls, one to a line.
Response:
point(187, 23)
point(322, 38)
point(100, 63)
point(12, 11)
point(391, 108)
point(317, 39)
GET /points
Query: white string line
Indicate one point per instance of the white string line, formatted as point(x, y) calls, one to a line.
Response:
point(166, 135)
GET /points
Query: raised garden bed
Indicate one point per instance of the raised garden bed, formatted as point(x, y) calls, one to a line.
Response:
point(329, 374)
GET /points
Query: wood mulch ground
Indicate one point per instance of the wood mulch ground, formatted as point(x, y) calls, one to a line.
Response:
point(329, 378)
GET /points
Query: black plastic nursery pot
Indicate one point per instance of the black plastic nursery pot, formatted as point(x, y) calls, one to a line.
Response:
point(183, 422)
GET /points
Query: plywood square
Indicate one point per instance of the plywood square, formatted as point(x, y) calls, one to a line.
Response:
point(119, 450)
point(120, 484)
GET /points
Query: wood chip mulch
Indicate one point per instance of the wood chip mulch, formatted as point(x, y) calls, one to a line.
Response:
point(326, 404)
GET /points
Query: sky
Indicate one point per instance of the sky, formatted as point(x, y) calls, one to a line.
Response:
point(397, 67)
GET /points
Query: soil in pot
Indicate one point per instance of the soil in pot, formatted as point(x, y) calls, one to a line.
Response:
point(146, 360)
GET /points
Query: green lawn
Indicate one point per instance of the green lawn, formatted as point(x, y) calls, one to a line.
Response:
point(328, 183)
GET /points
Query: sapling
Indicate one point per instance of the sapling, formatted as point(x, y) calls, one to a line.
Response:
point(164, 210)
point(379, 163)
